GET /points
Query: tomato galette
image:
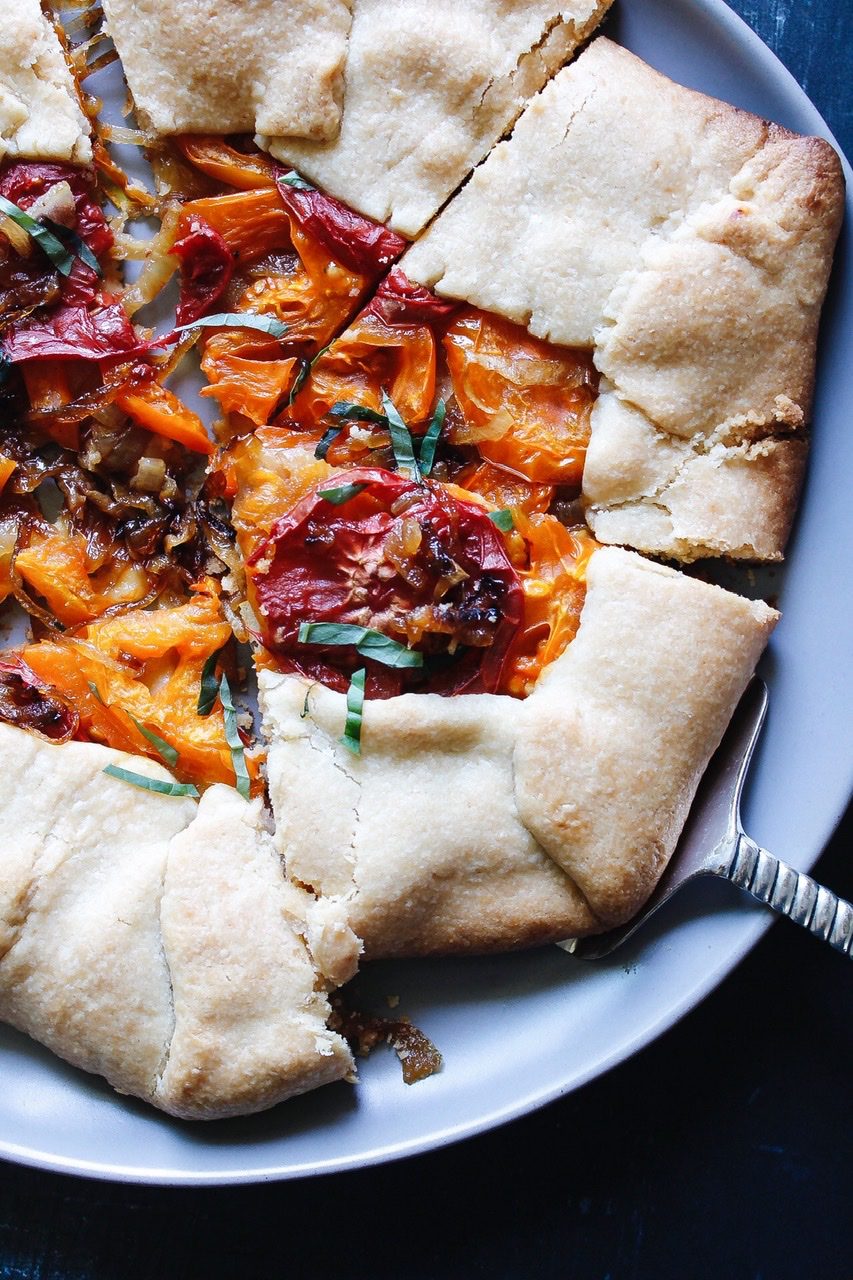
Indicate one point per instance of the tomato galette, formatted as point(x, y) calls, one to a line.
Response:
point(478, 727)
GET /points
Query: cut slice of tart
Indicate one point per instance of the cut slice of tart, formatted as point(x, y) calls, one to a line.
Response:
point(430, 87)
point(689, 244)
point(480, 822)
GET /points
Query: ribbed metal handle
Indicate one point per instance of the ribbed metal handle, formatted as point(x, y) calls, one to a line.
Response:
point(791, 893)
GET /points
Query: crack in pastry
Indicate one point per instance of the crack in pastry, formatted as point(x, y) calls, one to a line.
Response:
point(428, 95)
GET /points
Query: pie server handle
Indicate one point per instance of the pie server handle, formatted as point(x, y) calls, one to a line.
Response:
point(791, 893)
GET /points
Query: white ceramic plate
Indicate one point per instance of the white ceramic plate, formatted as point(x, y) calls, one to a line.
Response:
point(517, 1031)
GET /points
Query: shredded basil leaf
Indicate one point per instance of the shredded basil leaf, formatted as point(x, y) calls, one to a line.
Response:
point(329, 437)
point(61, 258)
point(96, 692)
point(151, 784)
point(209, 686)
point(342, 493)
point(355, 708)
point(237, 320)
point(426, 456)
point(294, 179)
point(77, 243)
point(503, 519)
point(370, 644)
point(359, 412)
point(304, 374)
point(232, 737)
point(401, 439)
point(164, 749)
point(303, 715)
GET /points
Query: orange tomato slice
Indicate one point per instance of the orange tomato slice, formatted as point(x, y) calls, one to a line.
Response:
point(146, 666)
point(554, 585)
point(157, 409)
point(526, 403)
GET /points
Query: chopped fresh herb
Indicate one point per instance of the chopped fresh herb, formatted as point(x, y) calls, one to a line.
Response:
point(164, 749)
point(96, 692)
point(401, 439)
point(303, 715)
point(329, 437)
point(237, 320)
point(304, 374)
point(370, 644)
point(503, 519)
point(151, 784)
point(359, 412)
point(77, 243)
point(61, 258)
point(426, 456)
point(209, 687)
point(355, 708)
point(342, 493)
point(232, 737)
point(294, 179)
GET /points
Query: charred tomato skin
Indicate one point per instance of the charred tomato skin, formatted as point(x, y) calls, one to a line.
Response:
point(331, 563)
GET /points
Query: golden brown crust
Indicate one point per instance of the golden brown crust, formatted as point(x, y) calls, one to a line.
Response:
point(690, 244)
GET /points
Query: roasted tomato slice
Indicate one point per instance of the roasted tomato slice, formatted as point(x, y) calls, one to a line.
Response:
point(406, 559)
point(526, 403)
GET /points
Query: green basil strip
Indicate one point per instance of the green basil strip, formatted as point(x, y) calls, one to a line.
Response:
point(96, 693)
point(426, 456)
point(359, 412)
point(304, 374)
point(401, 439)
point(355, 708)
point(164, 749)
point(342, 494)
point(78, 244)
point(61, 258)
point(329, 437)
point(503, 519)
point(209, 686)
point(370, 644)
point(237, 320)
point(151, 784)
point(294, 179)
point(232, 737)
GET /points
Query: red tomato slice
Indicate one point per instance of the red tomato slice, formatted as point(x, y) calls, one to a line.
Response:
point(407, 559)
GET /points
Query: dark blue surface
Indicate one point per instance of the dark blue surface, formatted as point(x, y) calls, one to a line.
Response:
point(722, 1151)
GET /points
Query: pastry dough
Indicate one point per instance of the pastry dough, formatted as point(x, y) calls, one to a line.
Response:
point(478, 822)
point(124, 945)
point(430, 87)
point(690, 244)
point(40, 113)
point(234, 66)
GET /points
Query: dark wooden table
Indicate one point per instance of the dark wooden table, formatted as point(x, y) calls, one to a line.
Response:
point(722, 1151)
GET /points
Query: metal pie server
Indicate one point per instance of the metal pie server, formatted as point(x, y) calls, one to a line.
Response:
point(714, 843)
